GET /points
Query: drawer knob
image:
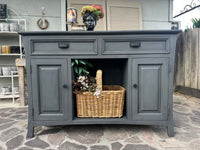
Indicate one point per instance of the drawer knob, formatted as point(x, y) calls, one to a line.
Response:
point(63, 45)
point(64, 86)
point(135, 44)
point(135, 85)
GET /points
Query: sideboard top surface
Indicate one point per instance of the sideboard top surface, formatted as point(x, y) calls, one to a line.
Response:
point(101, 32)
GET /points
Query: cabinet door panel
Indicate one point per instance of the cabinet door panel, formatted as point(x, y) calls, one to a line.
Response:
point(49, 97)
point(150, 97)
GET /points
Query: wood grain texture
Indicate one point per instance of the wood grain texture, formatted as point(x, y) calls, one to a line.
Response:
point(187, 55)
point(187, 65)
point(194, 59)
point(198, 60)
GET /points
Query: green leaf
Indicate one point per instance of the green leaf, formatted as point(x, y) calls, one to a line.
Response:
point(84, 70)
point(76, 61)
point(89, 64)
point(80, 70)
point(82, 62)
point(73, 63)
point(76, 69)
point(196, 23)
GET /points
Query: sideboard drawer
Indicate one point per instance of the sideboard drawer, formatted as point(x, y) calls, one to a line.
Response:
point(135, 45)
point(63, 46)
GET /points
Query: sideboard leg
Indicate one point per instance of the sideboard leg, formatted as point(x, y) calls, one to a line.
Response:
point(170, 130)
point(30, 132)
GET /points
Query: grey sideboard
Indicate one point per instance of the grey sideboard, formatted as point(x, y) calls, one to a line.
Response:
point(140, 61)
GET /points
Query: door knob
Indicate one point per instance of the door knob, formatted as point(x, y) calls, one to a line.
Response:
point(65, 86)
point(135, 85)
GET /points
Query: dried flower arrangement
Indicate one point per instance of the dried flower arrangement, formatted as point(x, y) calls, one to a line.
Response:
point(84, 82)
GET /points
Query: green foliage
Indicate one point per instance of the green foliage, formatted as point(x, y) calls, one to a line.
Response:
point(81, 66)
point(196, 23)
point(187, 29)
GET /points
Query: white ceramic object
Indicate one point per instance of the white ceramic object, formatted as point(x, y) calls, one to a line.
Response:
point(15, 90)
point(6, 90)
point(5, 27)
point(6, 71)
point(14, 27)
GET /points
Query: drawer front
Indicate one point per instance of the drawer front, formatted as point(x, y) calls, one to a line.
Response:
point(63, 46)
point(151, 45)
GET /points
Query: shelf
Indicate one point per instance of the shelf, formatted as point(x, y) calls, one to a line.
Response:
point(7, 33)
point(9, 76)
point(99, 120)
point(8, 96)
point(10, 55)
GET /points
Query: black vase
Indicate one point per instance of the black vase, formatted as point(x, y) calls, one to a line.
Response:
point(90, 20)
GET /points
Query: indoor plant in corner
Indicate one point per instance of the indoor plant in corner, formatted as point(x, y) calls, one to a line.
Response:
point(91, 14)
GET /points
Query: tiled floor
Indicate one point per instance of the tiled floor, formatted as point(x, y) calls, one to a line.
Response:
point(13, 128)
point(5, 103)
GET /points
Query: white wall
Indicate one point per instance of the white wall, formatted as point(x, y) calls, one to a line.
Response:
point(156, 14)
point(31, 11)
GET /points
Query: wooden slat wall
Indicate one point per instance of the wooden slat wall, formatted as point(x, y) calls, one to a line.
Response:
point(187, 66)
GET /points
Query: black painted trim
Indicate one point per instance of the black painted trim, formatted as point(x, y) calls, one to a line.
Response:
point(101, 32)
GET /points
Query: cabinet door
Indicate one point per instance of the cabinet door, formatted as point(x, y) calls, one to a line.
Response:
point(150, 89)
point(50, 96)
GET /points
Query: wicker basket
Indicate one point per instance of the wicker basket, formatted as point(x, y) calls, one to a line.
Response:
point(109, 104)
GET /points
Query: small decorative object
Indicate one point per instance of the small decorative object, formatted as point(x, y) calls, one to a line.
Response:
point(72, 20)
point(5, 27)
point(71, 15)
point(42, 22)
point(5, 49)
point(3, 11)
point(15, 90)
point(6, 90)
point(91, 14)
point(14, 68)
point(14, 27)
point(78, 27)
point(15, 49)
point(6, 71)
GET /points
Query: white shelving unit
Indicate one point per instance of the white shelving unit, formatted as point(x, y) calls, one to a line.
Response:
point(14, 75)
point(9, 96)
point(9, 76)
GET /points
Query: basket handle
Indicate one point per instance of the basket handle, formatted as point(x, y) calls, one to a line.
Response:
point(99, 79)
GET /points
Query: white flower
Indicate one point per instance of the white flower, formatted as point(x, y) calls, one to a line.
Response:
point(97, 92)
point(81, 78)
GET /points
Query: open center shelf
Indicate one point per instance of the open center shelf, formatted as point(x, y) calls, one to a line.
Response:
point(115, 72)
